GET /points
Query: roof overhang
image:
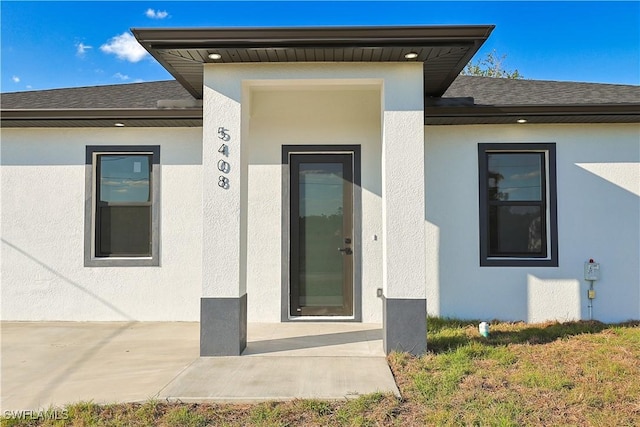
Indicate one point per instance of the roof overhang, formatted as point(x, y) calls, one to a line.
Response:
point(443, 50)
point(434, 115)
point(506, 114)
point(191, 117)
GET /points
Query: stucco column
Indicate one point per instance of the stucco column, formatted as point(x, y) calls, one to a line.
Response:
point(223, 308)
point(403, 212)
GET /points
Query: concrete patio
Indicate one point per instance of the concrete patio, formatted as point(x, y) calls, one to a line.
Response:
point(55, 363)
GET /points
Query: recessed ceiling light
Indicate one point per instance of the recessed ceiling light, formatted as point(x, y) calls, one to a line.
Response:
point(119, 125)
point(521, 121)
point(215, 56)
point(411, 55)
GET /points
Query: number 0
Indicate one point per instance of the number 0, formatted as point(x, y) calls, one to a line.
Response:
point(224, 166)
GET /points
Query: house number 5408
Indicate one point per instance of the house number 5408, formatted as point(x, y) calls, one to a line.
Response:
point(223, 165)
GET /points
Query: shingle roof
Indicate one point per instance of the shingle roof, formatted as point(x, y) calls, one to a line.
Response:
point(494, 91)
point(484, 90)
point(131, 95)
point(468, 100)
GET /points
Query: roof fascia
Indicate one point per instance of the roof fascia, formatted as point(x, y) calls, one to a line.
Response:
point(111, 113)
point(537, 110)
point(550, 113)
point(308, 36)
point(538, 114)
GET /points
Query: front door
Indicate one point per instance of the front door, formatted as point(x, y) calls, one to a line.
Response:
point(321, 235)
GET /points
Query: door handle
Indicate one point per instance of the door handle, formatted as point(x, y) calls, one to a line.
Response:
point(346, 251)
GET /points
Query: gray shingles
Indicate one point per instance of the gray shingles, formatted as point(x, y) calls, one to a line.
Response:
point(494, 91)
point(484, 90)
point(132, 95)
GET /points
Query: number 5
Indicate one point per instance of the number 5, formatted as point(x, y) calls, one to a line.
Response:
point(222, 134)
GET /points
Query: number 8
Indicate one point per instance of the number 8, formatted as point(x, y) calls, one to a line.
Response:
point(223, 182)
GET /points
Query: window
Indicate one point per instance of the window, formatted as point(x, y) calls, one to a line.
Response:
point(518, 219)
point(121, 215)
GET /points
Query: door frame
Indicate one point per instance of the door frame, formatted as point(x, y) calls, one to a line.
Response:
point(287, 151)
point(297, 160)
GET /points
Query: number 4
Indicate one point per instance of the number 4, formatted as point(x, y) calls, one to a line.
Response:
point(224, 149)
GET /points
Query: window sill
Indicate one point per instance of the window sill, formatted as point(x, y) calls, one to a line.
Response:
point(518, 262)
point(122, 262)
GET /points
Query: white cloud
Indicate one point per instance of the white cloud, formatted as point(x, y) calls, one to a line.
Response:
point(156, 14)
point(15, 79)
point(121, 76)
point(126, 47)
point(29, 87)
point(82, 48)
point(529, 175)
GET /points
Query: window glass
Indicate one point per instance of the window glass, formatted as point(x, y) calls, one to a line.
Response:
point(515, 176)
point(125, 230)
point(321, 195)
point(515, 230)
point(124, 178)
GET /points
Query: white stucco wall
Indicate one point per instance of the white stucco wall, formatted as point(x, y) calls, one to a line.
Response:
point(598, 190)
point(43, 192)
point(225, 214)
point(403, 256)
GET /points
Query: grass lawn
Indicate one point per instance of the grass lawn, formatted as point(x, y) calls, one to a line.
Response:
point(570, 374)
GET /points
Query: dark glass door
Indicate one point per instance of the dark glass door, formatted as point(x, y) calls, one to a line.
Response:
point(321, 235)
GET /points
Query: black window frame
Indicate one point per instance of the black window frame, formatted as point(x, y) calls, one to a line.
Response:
point(548, 204)
point(92, 256)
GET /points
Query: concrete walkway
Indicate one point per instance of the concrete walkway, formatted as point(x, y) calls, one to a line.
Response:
point(54, 363)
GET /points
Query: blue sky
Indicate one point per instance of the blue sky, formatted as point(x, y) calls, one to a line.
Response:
point(53, 44)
